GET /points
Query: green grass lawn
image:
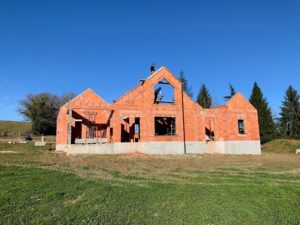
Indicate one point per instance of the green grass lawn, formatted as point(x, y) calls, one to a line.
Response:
point(41, 187)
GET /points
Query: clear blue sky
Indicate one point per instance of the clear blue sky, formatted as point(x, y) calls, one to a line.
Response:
point(61, 46)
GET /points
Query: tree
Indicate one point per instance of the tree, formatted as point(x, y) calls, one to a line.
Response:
point(231, 93)
point(42, 109)
point(289, 121)
point(186, 88)
point(204, 99)
point(267, 127)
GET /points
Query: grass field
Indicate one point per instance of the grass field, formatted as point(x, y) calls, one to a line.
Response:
point(16, 131)
point(10, 128)
point(42, 187)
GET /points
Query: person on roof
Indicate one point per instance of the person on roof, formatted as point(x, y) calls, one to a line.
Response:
point(152, 68)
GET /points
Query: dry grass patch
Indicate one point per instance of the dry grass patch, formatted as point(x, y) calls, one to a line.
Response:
point(140, 168)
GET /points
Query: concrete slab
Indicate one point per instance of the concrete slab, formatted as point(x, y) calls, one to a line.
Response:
point(39, 144)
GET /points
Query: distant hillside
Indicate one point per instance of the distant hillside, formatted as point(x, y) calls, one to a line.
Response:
point(281, 146)
point(9, 128)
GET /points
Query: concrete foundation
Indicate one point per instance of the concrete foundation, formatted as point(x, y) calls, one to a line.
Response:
point(164, 148)
point(243, 147)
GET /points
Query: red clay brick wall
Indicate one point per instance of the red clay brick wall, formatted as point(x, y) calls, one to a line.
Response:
point(216, 120)
point(240, 108)
point(139, 103)
point(141, 98)
point(87, 101)
point(61, 127)
point(225, 120)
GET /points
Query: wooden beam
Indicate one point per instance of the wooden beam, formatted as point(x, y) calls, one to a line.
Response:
point(163, 101)
point(163, 82)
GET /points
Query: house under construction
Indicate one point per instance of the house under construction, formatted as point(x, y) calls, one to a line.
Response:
point(156, 117)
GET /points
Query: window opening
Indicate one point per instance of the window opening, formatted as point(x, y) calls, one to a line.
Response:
point(165, 126)
point(241, 126)
point(164, 93)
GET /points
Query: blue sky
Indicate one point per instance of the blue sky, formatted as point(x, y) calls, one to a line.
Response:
point(62, 46)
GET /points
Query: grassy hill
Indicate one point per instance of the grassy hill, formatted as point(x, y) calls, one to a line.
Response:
point(281, 146)
point(10, 128)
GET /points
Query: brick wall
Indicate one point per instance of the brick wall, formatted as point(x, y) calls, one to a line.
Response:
point(139, 102)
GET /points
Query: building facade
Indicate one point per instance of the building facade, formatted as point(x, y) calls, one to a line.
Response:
point(156, 117)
